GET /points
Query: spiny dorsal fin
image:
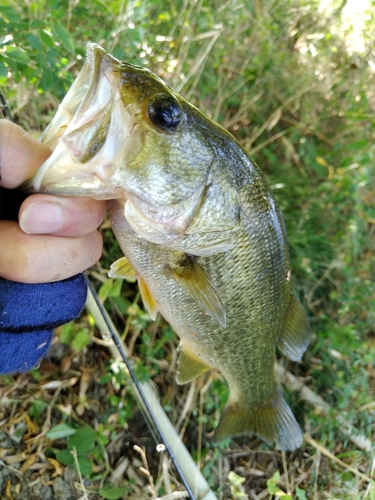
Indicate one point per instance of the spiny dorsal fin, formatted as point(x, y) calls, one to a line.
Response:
point(148, 299)
point(194, 279)
point(122, 269)
point(189, 365)
point(273, 422)
point(296, 335)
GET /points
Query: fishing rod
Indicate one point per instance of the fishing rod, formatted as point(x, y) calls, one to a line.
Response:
point(189, 472)
point(4, 107)
point(139, 389)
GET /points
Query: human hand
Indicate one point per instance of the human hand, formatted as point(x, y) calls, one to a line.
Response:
point(56, 237)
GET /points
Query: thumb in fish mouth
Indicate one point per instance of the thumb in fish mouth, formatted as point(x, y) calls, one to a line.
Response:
point(21, 155)
point(86, 133)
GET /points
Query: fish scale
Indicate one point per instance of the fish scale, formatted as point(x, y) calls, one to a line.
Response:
point(199, 228)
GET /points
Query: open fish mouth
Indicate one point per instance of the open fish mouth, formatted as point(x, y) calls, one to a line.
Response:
point(122, 133)
point(91, 130)
point(98, 131)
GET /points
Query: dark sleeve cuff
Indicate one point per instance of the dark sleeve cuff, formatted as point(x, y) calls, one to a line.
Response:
point(28, 315)
point(19, 353)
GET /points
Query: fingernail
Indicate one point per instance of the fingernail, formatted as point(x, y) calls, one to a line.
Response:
point(41, 218)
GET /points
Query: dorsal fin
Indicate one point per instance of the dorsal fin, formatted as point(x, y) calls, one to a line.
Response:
point(295, 337)
point(194, 279)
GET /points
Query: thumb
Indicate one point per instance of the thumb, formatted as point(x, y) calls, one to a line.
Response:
point(20, 155)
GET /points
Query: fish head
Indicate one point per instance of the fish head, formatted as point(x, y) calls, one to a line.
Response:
point(122, 133)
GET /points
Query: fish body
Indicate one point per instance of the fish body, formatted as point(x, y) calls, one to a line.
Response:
point(199, 229)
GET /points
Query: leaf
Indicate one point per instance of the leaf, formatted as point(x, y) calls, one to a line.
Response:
point(34, 41)
point(104, 379)
point(46, 37)
point(47, 80)
point(85, 465)
point(112, 492)
point(67, 333)
point(301, 494)
point(235, 479)
point(123, 304)
point(3, 69)
point(36, 23)
point(116, 289)
point(60, 431)
point(65, 457)
point(11, 15)
point(83, 440)
point(16, 54)
point(272, 482)
point(81, 340)
point(274, 489)
point(36, 409)
point(105, 290)
point(64, 37)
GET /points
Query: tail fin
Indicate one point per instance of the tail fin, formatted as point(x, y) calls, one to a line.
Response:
point(272, 422)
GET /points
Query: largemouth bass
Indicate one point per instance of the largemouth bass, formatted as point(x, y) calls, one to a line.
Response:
point(199, 229)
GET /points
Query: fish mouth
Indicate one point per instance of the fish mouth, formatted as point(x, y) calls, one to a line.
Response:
point(91, 130)
point(97, 132)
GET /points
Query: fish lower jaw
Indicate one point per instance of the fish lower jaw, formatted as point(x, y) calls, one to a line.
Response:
point(91, 186)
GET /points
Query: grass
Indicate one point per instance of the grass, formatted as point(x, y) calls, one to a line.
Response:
point(280, 76)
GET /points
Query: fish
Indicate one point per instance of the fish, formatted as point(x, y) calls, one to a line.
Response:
point(199, 228)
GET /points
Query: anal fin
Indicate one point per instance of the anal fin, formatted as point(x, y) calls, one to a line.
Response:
point(295, 337)
point(189, 365)
point(194, 279)
point(273, 422)
point(122, 269)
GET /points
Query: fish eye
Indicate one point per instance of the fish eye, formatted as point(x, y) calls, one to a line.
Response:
point(165, 112)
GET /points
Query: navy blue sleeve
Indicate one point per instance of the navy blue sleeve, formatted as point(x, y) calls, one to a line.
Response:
point(29, 313)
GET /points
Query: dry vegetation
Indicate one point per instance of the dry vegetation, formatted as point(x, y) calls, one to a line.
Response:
point(294, 83)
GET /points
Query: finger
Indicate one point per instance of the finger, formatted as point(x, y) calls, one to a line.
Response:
point(20, 155)
point(41, 259)
point(47, 214)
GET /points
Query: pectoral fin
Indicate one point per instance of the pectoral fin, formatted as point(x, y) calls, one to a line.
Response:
point(205, 251)
point(148, 300)
point(296, 334)
point(122, 269)
point(189, 365)
point(194, 279)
